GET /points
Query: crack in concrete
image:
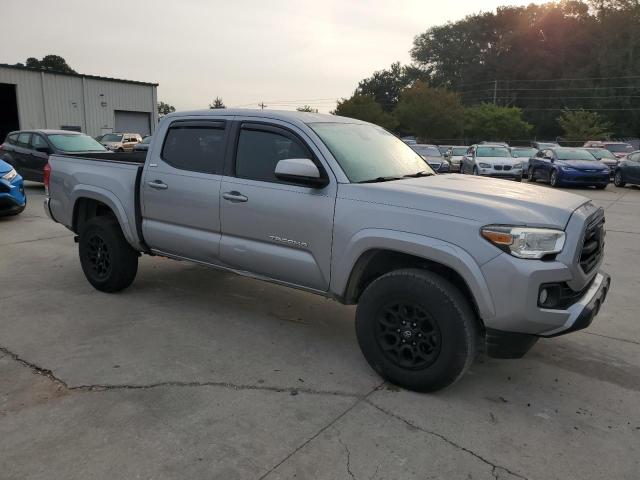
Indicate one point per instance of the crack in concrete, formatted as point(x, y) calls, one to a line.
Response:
point(106, 387)
point(348, 456)
point(493, 466)
point(633, 342)
point(319, 432)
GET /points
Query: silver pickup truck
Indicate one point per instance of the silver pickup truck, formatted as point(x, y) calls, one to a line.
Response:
point(440, 266)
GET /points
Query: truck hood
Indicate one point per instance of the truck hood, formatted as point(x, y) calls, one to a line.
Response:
point(485, 200)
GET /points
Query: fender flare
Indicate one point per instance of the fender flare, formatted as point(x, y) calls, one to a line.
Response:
point(428, 248)
point(109, 199)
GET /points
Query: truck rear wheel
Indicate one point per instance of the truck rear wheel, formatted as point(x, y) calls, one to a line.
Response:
point(107, 259)
point(416, 330)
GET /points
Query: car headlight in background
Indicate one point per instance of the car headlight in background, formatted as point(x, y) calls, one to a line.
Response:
point(566, 168)
point(485, 165)
point(517, 166)
point(523, 242)
point(11, 175)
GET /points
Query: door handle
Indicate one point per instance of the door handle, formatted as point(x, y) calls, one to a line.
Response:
point(234, 197)
point(158, 185)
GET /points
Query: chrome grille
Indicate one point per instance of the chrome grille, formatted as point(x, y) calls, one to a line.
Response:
point(593, 245)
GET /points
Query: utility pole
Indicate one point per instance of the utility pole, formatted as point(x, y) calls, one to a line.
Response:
point(262, 105)
point(495, 91)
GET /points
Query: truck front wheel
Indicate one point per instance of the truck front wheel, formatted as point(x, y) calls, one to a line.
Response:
point(416, 329)
point(107, 259)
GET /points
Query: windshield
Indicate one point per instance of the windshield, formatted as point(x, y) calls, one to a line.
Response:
point(75, 143)
point(523, 152)
point(459, 151)
point(111, 137)
point(443, 149)
point(601, 153)
point(146, 140)
point(367, 152)
point(543, 145)
point(574, 154)
point(426, 151)
point(619, 147)
point(493, 152)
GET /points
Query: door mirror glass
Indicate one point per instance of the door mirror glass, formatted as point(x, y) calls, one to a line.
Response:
point(299, 170)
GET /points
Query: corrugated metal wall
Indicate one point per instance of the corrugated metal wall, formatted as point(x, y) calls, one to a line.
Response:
point(47, 100)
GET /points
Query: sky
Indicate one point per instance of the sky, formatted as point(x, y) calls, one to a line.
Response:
point(285, 53)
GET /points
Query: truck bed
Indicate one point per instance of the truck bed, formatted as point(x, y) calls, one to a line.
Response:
point(111, 178)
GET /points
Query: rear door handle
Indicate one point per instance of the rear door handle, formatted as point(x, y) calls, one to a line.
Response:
point(234, 197)
point(158, 185)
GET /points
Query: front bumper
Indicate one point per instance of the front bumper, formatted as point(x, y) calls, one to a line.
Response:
point(584, 178)
point(12, 197)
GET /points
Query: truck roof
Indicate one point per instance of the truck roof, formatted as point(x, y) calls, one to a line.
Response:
point(284, 115)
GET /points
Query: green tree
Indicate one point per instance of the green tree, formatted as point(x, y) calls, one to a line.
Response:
point(307, 108)
point(365, 107)
point(165, 108)
point(387, 85)
point(430, 113)
point(55, 63)
point(491, 122)
point(217, 103)
point(582, 125)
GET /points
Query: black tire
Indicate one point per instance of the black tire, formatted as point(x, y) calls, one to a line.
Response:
point(120, 150)
point(553, 179)
point(531, 175)
point(107, 259)
point(476, 172)
point(518, 179)
point(618, 179)
point(602, 186)
point(444, 323)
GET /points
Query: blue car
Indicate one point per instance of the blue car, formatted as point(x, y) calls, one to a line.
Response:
point(564, 166)
point(12, 196)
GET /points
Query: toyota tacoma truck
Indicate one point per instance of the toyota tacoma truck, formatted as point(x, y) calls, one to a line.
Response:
point(440, 266)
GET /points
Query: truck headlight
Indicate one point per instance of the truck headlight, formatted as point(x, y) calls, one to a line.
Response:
point(523, 242)
point(11, 175)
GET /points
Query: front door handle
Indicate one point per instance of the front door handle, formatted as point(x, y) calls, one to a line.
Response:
point(234, 196)
point(158, 185)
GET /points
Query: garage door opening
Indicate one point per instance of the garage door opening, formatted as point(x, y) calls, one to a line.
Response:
point(132, 122)
point(8, 110)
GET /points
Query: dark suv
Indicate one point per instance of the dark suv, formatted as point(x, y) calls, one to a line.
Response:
point(28, 150)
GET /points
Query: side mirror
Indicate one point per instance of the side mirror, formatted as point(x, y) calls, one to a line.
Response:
point(300, 170)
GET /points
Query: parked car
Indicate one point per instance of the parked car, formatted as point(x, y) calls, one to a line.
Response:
point(619, 149)
point(28, 150)
point(628, 170)
point(489, 160)
point(409, 140)
point(121, 142)
point(143, 146)
point(12, 197)
point(499, 144)
point(454, 156)
point(568, 166)
point(444, 149)
point(301, 201)
point(543, 145)
point(606, 157)
point(523, 153)
point(432, 156)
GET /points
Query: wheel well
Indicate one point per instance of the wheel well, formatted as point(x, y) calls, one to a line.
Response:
point(87, 208)
point(375, 263)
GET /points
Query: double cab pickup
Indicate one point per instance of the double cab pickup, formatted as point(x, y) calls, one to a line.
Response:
point(440, 266)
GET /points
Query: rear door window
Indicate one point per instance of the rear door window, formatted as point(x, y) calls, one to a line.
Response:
point(38, 142)
point(195, 146)
point(24, 139)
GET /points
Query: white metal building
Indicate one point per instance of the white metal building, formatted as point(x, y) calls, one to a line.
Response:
point(36, 98)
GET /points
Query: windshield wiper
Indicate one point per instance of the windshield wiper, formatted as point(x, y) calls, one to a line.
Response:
point(380, 180)
point(423, 173)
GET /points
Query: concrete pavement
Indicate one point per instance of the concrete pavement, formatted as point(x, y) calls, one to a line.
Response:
point(193, 373)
